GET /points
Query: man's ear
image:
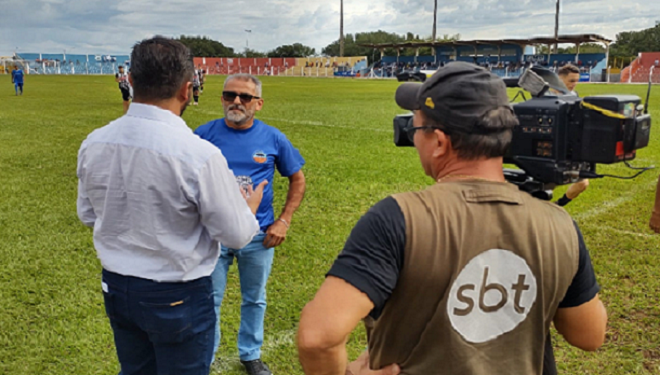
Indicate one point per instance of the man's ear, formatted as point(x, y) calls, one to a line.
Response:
point(443, 146)
point(260, 104)
point(185, 92)
point(130, 78)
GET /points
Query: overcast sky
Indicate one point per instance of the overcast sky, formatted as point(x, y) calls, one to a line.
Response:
point(113, 26)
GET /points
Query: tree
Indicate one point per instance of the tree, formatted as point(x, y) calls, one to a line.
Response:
point(292, 50)
point(584, 48)
point(631, 43)
point(206, 47)
point(353, 41)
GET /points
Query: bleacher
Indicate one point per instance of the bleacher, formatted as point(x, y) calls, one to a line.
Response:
point(639, 71)
point(503, 66)
point(48, 63)
point(310, 67)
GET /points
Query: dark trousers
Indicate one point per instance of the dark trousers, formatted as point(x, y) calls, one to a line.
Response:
point(161, 328)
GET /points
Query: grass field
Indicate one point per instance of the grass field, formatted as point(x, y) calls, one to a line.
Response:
point(52, 319)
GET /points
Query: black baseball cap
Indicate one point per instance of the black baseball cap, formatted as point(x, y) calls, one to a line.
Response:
point(457, 96)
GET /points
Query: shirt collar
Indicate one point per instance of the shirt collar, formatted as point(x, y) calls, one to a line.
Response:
point(152, 112)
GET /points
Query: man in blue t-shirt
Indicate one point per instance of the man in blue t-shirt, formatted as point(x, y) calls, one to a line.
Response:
point(253, 151)
point(17, 79)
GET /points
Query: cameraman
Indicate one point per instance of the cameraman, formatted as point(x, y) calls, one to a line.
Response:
point(464, 277)
point(570, 76)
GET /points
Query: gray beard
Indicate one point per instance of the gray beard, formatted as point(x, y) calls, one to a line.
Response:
point(238, 118)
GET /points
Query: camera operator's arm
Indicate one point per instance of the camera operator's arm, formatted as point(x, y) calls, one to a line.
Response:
point(359, 284)
point(326, 323)
point(573, 192)
point(655, 216)
point(583, 326)
point(581, 317)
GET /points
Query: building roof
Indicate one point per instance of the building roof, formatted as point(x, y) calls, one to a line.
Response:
point(573, 39)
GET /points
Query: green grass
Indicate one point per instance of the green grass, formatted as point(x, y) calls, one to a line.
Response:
point(52, 319)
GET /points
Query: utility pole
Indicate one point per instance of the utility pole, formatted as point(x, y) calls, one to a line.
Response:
point(341, 28)
point(435, 19)
point(557, 25)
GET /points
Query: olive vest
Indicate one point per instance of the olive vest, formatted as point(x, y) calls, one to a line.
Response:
point(485, 267)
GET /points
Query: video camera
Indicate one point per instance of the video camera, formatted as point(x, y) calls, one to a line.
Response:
point(562, 137)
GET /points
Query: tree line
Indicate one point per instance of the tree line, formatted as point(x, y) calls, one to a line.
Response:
point(627, 45)
point(207, 47)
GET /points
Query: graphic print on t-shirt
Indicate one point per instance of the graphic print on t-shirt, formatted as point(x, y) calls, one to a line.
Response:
point(260, 157)
point(491, 296)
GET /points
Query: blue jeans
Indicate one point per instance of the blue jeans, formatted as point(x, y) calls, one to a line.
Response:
point(160, 328)
point(254, 264)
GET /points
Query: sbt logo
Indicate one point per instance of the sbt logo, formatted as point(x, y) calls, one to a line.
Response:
point(492, 295)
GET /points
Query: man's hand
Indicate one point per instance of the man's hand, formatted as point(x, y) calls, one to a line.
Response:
point(576, 189)
point(655, 221)
point(361, 367)
point(253, 196)
point(276, 234)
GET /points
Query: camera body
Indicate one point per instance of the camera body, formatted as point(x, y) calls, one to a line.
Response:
point(561, 137)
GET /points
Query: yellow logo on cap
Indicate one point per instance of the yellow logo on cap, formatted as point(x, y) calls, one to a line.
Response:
point(429, 103)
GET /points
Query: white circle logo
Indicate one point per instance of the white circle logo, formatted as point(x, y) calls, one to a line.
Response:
point(491, 296)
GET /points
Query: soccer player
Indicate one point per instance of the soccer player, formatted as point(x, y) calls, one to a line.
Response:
point(196, 84)
point(124, 86)
point(17, 79)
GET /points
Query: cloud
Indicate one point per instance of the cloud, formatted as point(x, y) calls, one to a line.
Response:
point(95, 26)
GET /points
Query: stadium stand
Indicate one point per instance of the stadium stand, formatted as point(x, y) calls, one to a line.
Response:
point(504, 57)
point(640, 69)
point(7, 64)
point(48, 63)
point(312, 66)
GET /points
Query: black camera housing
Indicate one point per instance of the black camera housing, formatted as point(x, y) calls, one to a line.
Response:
point(560, 140)
point(559, 137)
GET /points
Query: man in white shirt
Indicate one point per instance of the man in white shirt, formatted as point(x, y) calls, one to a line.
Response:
point(160, 200)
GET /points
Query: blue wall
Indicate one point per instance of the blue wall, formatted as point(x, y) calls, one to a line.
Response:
point(75, 64)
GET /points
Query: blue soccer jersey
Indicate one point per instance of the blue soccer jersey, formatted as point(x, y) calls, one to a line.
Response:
point(253, 155)
point(17, 76)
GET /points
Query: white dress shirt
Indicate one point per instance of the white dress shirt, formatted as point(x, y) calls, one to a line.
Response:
point(159, 198)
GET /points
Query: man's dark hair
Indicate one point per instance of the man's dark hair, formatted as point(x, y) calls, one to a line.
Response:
point(159, 66)
point(492, 141)
point(568, 69)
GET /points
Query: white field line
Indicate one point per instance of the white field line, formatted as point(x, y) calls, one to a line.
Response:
point(299, 122)
point(318, 123)
point(605, 207)
point(282, 338)
point(602, 208)
point(626, 232)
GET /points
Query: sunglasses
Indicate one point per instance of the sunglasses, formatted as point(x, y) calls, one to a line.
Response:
point(410, 130)
point(230, 96)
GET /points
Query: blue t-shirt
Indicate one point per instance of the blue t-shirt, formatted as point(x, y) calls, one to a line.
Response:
point(253, 155)
point(17, 76)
